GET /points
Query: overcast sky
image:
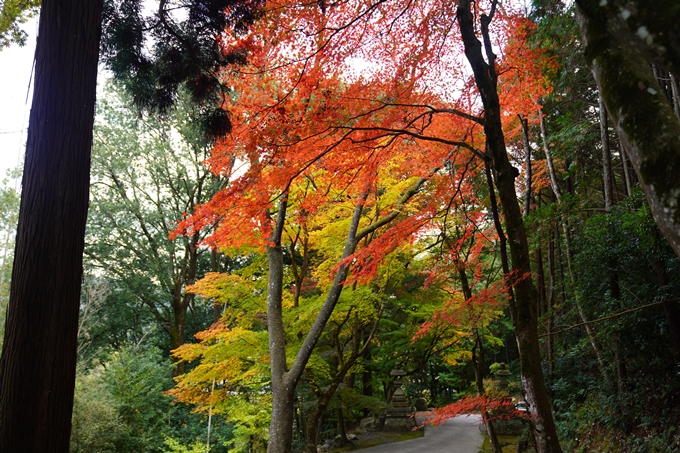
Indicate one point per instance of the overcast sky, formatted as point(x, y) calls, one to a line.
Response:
point(15, 73)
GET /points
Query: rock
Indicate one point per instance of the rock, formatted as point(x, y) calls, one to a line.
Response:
point(512, 427)
point(369, 424)
point(421, 404)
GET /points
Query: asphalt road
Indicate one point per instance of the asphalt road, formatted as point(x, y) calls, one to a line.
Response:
point(458, 435)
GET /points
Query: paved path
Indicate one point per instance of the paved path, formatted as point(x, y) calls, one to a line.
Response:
point(459, 435)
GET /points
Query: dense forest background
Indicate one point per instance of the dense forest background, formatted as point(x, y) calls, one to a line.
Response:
point(173, 344)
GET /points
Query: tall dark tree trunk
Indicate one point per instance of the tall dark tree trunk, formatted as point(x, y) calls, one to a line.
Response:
point(644, 118)
point(527, 164)
point(38, 365)
point(524, 307)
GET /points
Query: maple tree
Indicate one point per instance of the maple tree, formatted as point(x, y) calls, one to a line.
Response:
point(333, 291)
point(473, 300)
point(297, 108)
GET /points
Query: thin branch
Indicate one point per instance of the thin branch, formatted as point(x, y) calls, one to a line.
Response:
point(616, 315)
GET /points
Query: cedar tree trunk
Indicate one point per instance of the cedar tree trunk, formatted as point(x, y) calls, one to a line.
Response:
point(642, 115)
point(38, 366)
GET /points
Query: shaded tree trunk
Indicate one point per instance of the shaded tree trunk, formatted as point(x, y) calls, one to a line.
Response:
point(541, 303)
point(597, 350)
point(527, 164)
point(627, 179)
point(550, 298)
point(643, 117)
point(38, 366)
point(606, 156)
point(478, 365)
point(524, 307)
point(344, 365)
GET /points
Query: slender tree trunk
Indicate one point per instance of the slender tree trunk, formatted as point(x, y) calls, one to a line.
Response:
point(606, 155)
point(551, 301)
point(541, 303)
point(313, 418)
point(37, 370)
point(628, 180)
point(676, 95)
point(597, 350)
point(342, 430)
point(548, 158)
point(478, 365)
point(283, 389)
point(527, 165)
point(341, 377)
point(524, 308)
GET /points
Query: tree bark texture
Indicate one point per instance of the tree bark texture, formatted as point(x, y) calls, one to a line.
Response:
point(38, 365)
point(643, 117)
point(527, 164)
point(281, 425)
point(607, 176)
point(650, 29)
point(283, 381)
point(524, 308)
point(283, 391)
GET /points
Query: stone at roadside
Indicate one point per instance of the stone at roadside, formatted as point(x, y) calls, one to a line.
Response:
point(421, 404)
point(369, 424)
point(512, 427)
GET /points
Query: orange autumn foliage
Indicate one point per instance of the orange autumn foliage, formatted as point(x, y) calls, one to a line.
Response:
point(332, 94)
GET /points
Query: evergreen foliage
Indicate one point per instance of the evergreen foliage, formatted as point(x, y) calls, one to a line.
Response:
point(157, 54)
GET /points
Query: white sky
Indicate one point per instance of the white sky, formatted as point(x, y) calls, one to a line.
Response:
point(15, 72)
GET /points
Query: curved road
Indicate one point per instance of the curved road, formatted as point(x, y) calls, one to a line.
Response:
point(458, 435)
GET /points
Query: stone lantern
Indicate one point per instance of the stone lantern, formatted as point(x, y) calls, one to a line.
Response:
point(399, 416)
point(502, 374)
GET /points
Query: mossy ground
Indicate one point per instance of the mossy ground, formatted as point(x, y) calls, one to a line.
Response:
point(373, 439)
point(508, 444)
